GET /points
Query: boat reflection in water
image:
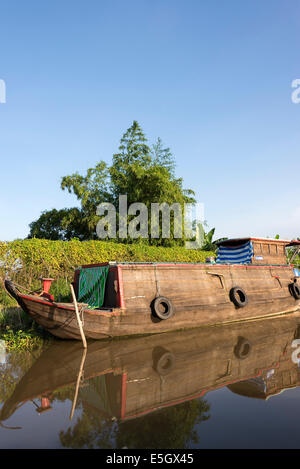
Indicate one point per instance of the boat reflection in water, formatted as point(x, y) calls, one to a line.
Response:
point(121, 380)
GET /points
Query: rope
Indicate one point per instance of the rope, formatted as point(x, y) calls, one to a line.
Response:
point(81, 311)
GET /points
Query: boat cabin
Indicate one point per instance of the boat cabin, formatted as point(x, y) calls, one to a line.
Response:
point(264, 251)
point(134, 286)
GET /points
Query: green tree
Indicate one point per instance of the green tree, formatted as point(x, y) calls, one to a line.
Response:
point(163, 156)
point(143, 174)
point(63, 224)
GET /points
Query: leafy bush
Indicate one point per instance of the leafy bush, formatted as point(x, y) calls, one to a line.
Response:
point(24, 261)
point(20, 332)
point(21, 340)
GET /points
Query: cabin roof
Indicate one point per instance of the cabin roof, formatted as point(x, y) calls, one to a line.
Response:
point(237, 241)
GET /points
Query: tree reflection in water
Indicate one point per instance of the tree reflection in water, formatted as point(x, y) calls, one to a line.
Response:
point(171, 427)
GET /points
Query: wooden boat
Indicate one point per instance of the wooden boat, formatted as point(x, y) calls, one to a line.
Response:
point(126, 379)
point(250, 279)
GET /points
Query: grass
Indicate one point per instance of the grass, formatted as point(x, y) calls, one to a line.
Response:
point(19, 331)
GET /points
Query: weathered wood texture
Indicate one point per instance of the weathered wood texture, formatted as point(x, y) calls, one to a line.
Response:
point(272, 252)
point(199, 295)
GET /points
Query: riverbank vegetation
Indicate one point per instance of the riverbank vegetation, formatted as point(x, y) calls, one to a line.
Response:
point(20, 332)
point(25, 261)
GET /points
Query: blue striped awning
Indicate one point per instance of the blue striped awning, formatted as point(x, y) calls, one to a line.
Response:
point(241, 254)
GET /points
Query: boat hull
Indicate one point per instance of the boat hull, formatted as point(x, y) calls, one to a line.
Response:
point(200, 296)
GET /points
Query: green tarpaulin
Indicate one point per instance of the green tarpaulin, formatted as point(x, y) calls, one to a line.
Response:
point(92, 285)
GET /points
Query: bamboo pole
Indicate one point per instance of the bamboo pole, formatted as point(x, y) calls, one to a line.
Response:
point(78, 318)
point(78, 383)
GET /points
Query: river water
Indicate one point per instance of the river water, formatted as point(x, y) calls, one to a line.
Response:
point(234, 386)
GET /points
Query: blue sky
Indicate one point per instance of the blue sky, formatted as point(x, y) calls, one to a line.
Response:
point(211, 78)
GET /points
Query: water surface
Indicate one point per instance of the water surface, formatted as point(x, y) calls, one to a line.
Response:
point(216, 387)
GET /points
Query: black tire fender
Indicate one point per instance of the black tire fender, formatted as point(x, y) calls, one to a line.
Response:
point(295, 290)
point(162, 307)
point(238, 297)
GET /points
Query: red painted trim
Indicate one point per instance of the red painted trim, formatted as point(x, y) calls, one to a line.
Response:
point(188, 264)
point(267, 240)
point(76, 277)
point(123, 395)
point(261, 240)
point(113, 268)
point(98, 312)
point(276, 241)
point(208, 265)
point(48, 303)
